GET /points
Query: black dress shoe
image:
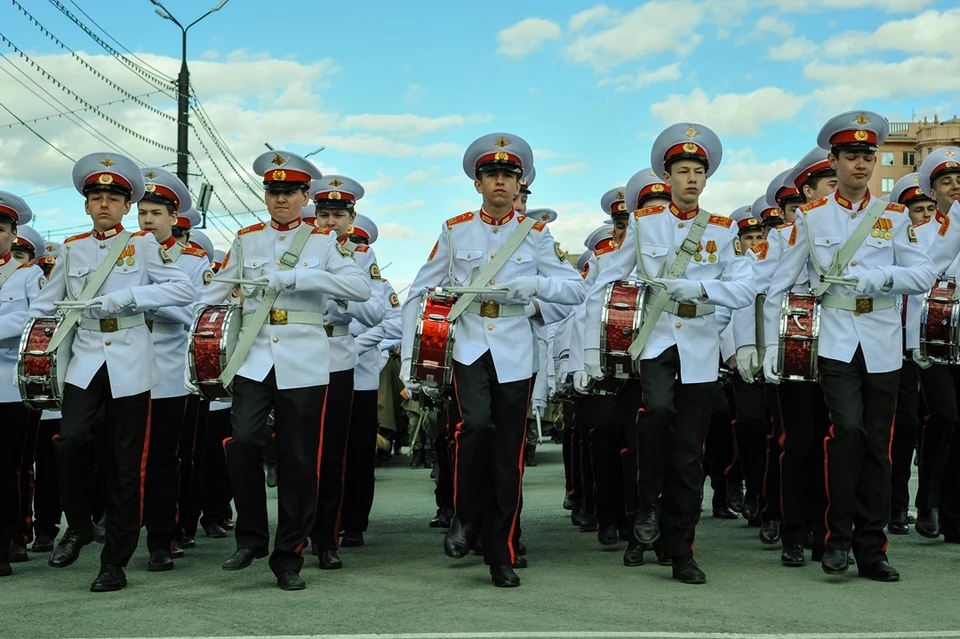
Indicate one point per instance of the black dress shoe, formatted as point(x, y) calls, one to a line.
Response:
point(530, 456)
point(271, 476)
point(455, 543)
point(567, 502)
point(416, 459)
point(188, 542)
point(770, 532)
point(633, 555)
point(575, 515)
point(18, 554)
point(290, 580)
point(160, 560)
point(911, 518)
point(352, 539)
point(647, 528)
point(442, 518)
point(751, 508)
point(330, 560)
point(588, 522)
point(686, 571)
point(898, 523)
point(504, 577)
point(880, 571)
point(215, 531)
point(723, 512)
point(228, 524)
point(834, 562)
point(110, 579)
point(928, 523)
point(662, 559)
point(735, 495)
point(792, 556)
point(68, 550)
point(243, 557)
point(608, 535)
point(520, 562)
point(42, 543)
point(177, 551)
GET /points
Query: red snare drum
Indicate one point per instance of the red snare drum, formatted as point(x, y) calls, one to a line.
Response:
point(623, 312)
point(799, 337)
point(213, 337)
point(432, 364)
point(41, 375)
point(939, 339)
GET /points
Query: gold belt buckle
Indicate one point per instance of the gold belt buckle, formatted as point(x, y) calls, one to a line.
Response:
point(863, 305)
point(109, 325)
point(686, 310)
point(489, 309)
point(278, 316)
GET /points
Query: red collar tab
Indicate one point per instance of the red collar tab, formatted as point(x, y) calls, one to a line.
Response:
point(847, 204)
point(168, 243)
point(487, 219)
point(106, 235)
point(680, 215)
point(6, 258)
point(285, 227)
point(940, 217)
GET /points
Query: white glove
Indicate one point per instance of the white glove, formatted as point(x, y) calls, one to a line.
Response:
point(522, 289)
point(748, 362)
point(876, 279)
point(591, 363)
point(581, 382)
point(405, 368)
point(537, 407)
point(562, 366)
point(529, 310)
point(682, 290)
point(920, 359)
point(770, 365)
point(113, 303)
point(280, 280)
point(551, 385)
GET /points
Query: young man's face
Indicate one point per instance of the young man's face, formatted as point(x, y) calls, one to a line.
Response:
point(106, 208)
point(284, 206)
point(820, 187)
point(921, 210)
point(686, 179)
point(21, 255)
point(750, 238)
point(157, 219)
point(338, 220)
point(854, 168)
point(7, 235)
point(947, 190)
point(520, 203)
point(498, 188)
point(620, 223)
point(789, 211)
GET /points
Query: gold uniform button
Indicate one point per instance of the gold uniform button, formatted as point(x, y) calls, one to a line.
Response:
point(680, 225)
point(283, 237)
point(853, 263)
point(493, 255)
point(107, 343)
point(102, 245)
point(489, 327)
point(276, 339)
point(654, 252)
point(677, 325)
point(279, 262)
point(496, 230)
point(853, 217)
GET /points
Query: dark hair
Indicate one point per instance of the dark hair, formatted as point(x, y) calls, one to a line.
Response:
point(106, 189)
point(835, 150)
point(685, 156)
point(157, 199)
point(179, 231)
point(334, 205)
point(9, 220)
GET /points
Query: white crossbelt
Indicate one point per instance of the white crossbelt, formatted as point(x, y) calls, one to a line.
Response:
point(683, 310)
point(111, 324)
point(508, 310)
point(850, 303)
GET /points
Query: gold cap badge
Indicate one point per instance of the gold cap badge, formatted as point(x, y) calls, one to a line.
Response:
point(691, 132)
point(106, 178)
point(278, 160)
point(862, 119)
point(502, 142)
point(335, 182)
point(107, 162)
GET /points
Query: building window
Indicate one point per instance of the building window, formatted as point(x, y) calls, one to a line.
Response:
point(909, 158)
point(886, 184)
point(886, 158)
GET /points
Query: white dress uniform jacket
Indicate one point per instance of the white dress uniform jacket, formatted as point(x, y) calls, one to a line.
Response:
point(20, 289)
point(830, 223)
point(343, 349)
point(298, 352)
point(366, 376)
point(467, 244)
point(148, 273)
point(723, 273)
point(939, 237)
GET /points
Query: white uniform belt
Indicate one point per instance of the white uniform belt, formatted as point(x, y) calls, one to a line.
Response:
point(858, 305)
point(111, 324)
point(11, 342)
point(495, 309)
point(281, 316)
point(165, 327)
point(681, 309)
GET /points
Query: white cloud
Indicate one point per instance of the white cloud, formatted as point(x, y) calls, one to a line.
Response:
point(400, 233)
point(526, 37)
point(408, 125)
point(412, 96)
point(740, 180)
point(814, 6)
point(792, 49)
point(847, 84)
point(598, 13)
point(929, 33)
point(575, 221)
point(642, 78)
point(384, 182)
point(649, 29)
point(399, 207)
point(566, 169)
point(775, 25)
point(731, 114)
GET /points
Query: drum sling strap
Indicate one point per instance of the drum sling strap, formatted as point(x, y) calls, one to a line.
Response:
point(687, 249)
point(846, 252)
point(494, 266)
point(249, 332)
point(7, 270)
point(92, 287)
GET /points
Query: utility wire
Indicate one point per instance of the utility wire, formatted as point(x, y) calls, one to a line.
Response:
point(220, 173)
point(61, 114)
point(31, 129)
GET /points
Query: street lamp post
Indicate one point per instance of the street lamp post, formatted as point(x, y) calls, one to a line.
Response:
point(183, 89)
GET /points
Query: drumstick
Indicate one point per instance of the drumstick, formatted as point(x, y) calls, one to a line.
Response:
point(230, 280)
point(479, 290)
point(836, 279)
point(71, 304)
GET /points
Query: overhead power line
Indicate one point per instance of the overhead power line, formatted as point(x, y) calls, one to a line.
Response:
point(61, 114)
point(29, 128)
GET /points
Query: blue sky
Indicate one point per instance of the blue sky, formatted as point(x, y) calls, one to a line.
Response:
point(396, 91)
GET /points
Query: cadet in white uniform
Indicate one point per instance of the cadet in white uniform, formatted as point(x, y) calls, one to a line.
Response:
point(679, 363)
point(112, 365)
point(860, 350)
point(19, 286)
point(494, 357)
point(287, 366)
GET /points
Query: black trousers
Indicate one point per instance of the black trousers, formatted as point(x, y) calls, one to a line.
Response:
point(906, 430)
point(299, 424)
point(333, 460)
point(125, 443)
point(672, 429)
point(566, 448)
point(803, 495)
point(361, 459)
point(190, 452)
point(443, 445)
point(770, 495)
point(606, 440)
point(13, 436)
point(46, 496)
point(857, 448)
point(751, 428)
point(588, 484)
point(216, 494)
point(719, 449)
point(162, 483)
point(941, 383)
point(488, 446)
